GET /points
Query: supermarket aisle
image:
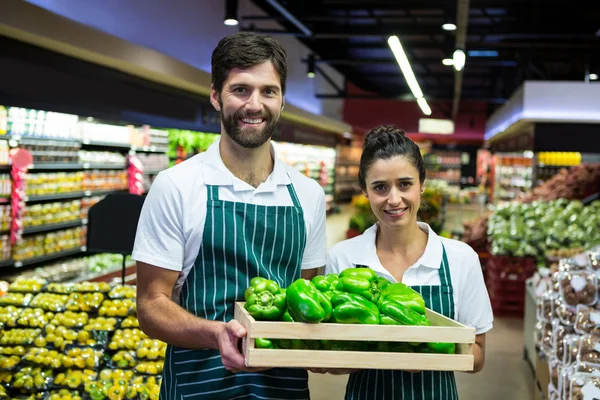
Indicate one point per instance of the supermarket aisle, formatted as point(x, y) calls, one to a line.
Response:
point(505, 376)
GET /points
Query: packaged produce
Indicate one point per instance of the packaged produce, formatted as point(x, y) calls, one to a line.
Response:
point(49, 302)
point(571, 349)
point(124, 359)
point(92, 287)
point(101, 324)
point(50, 213)
point(70, 319)
point(43, 357)
point(587, 321)
point(126, 339)
point(146, 387)
point(75, 378)
point(566, 314)
point(13, 351)
point(122, 292)
point(9, 315)
point(578, 288)
point(27, 285)
point(584, 386)
point(29, 379)
point(117, 308)
point(151, 349)
point(88, 302)
point(59, 337)
point(82, 356)
point(559, 332)
point(16, 337)
point(130, 322)
point(554, 366)
point(16, 299)
point(33, 318)
point(112, 384)
point(150, 367)
point(64, 394)
point(40, 184)
point(8, 363)
point(589, 349)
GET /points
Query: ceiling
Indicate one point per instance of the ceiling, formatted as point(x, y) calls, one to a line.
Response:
point(533, 40)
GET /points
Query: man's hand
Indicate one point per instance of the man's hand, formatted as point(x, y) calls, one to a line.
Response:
point(333, 371)
point(228, 340)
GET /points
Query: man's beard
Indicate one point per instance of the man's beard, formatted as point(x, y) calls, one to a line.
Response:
point(249, 138)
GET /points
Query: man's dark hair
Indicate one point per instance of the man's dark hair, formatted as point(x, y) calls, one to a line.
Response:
point(245, 50)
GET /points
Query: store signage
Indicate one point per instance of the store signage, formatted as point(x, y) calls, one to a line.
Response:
point(436, 126)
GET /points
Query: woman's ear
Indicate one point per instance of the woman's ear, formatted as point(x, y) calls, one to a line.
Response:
point(365, 193)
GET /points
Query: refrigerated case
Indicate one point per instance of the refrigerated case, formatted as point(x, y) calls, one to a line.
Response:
point(513, 175)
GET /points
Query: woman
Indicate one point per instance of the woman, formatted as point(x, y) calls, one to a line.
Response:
point(446, 272)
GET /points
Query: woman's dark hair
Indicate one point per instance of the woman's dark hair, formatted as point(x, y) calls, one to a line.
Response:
point(245, 50)
point(384, 142)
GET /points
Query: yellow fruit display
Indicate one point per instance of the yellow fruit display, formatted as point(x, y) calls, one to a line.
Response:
point(74, 378)
point(130, 322)
point(126, 339)
point(27, 285)
point(16, 299)
point(16, 337)
point(49, 302)
point(83, 357)
point(70, 319)
point(124, 359)
point(92, 287)
point(30, 379)
point(9, 362)
point(150, 367)
point(151, 349)
point(61, 288)
point(13, 351)
point(112, 384)
point(117, 308)
point(44, 357)
point(32, 318)
point(123, 292)
point(64, 394)
point(9, 315)
point(101, 324)
point(84, 301)
point(145, 387)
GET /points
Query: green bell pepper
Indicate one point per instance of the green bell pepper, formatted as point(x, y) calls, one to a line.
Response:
point(327, 283)
point(264, 299)
point(362, 281)
point(436, 347)
point(261, 343)
point(307, 304)
point(395, 347)
point(350, 308)
point(404, 295)
point(392, 311)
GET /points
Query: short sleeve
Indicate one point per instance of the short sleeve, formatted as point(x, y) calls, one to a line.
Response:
point(331, 264)
point(475, 307)
point(316, 247)
point(159, 239)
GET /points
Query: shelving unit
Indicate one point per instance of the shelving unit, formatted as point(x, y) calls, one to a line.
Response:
point(53, 227)
point(48, 257)
point(56, 196)
point(513, 176)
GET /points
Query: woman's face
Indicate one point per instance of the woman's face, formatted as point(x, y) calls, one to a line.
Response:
point(394, 191)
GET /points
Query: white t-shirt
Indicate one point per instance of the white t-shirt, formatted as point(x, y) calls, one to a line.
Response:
point(171, 225)
point(471, 299)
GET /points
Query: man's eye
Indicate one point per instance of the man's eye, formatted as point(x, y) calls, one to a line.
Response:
point(405, 185)
point(239, 90)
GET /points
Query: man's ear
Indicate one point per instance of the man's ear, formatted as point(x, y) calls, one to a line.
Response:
point(282, 104)
point(215, 98)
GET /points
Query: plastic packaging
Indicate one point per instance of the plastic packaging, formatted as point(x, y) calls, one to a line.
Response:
point(130, 322)
point(27, 285)
point(82, 357)
point(117, 308)
point(70, 319)
point(31, 379)
point(589, 349)
point(123, 292)
point(33, 318)
point(49, 302)
point(9, 315)
point(587, 321)
point(571, 349)
point(126, 339)
point(559, 332)
point(554, 367)
point(545, 306)
point(16, 299)
point(151, 349)
point(19, 337)
point(584, 386)
point(578, 288)
point(75, 378)
point(42, 357)
point(101, 324)
point(123, 359)
point(88, 302)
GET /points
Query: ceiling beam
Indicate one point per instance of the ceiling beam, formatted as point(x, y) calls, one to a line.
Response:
point(474, 62)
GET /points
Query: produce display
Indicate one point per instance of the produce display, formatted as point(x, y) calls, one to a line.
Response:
point(355, 296)
point(104, 158)
point(49, 243)
point(184, 144)
point(104, 180)
point(541, 228)
point(575, 183)
point(76, 354)
point(51, 213)
point(568, 327)
point(87, 203)
point(27, 284)
point(53, 183)
point(5, 247)
point(5, 217)
point(5, 186)
point(46, 151)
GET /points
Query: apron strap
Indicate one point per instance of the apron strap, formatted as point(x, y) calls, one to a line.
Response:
point(293, 195)
point(445, 279)
point(213, 192)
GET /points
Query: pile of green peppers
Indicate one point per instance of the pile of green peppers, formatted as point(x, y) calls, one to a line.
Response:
point(355, 296)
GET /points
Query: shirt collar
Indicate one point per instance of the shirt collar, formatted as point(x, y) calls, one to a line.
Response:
point(431, 258)
point(217, 174)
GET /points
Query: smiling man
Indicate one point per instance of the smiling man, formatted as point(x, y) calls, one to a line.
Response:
point(212, 223)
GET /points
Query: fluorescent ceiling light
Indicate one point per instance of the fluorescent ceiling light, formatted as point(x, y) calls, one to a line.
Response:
point(409, 76)
point(449, 27)
point(311, 75)
point(424, 106)
point(448, 61)
point(593, 77)
point(483, 53)
point(459, 59)
point(231, 22)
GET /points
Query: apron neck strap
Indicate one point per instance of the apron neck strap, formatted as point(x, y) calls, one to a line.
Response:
point(213, 194)
point(293, 195)
point(445, 278)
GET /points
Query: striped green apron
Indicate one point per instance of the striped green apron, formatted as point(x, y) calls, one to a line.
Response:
point(426, 385)
point(240, 241)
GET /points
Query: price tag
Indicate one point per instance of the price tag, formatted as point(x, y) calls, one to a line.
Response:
point(87, 193)
point(578, 282)
point(18, 264)
point(83, 248)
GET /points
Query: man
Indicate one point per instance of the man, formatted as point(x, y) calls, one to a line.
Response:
point(212, 223)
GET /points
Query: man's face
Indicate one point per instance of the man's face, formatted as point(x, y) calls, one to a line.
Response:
point(250, 104)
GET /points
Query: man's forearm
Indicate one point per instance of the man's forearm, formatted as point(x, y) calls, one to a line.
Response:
point(162, 319)
point(479, 358)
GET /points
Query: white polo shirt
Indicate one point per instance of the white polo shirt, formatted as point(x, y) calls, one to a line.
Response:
point(171, 225)
point(471, 299)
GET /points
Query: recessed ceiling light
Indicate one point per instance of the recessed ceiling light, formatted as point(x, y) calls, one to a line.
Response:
point(483, 53)
point(231, 22)
point(593, 77)
point(447, 61)
point(449, 27)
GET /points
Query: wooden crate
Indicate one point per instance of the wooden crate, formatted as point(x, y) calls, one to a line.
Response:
point(442, 330)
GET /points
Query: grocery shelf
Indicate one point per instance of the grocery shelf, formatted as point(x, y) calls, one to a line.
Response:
point(55, 166)
point(103, 166)
point(55, 196)
point(52, 227)
point(153, 171)
point(148, 149)
point(4, 200)
point(5, 167)
point(25, 139)
point(49, 257)
point(106, 144)
point(6, 263)
point(91, 193)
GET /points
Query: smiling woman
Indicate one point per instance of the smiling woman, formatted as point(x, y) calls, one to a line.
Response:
point(445, 272)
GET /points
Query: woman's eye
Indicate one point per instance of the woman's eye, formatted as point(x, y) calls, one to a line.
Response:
point(379, 188)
